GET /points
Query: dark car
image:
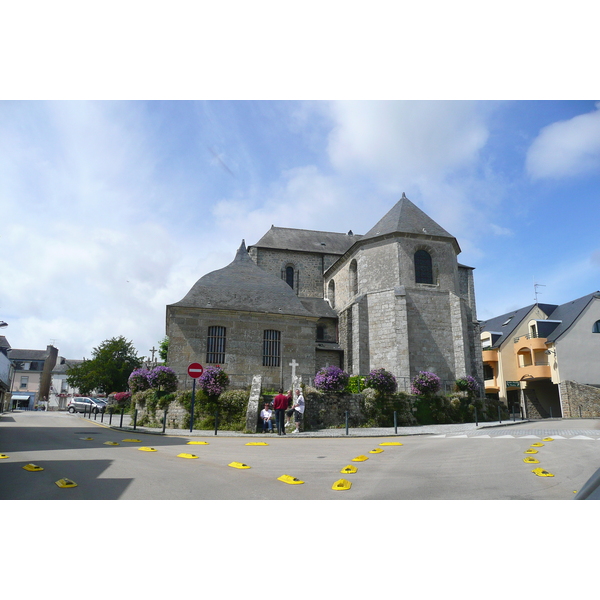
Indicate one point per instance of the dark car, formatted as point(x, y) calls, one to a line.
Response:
point(84, 404)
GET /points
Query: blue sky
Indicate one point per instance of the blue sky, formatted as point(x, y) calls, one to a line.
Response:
point(113, 209)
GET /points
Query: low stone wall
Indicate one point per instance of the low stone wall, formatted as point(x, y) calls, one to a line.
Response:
point(579, 400)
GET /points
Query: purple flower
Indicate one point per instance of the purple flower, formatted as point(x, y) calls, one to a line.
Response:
point(163, 378)
point(214, 381)
point(381, 381)
point(331, 379)
point(138, 380)
point(425, 383)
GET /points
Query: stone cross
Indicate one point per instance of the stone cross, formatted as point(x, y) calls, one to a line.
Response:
point(294, 364)
point(153, 350)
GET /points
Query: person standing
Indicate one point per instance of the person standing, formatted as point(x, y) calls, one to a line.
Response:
point(265, 415)
point(280, 404)
point(298, 407)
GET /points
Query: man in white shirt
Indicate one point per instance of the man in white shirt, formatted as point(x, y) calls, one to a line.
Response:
point(265, 415)
point(298, 407)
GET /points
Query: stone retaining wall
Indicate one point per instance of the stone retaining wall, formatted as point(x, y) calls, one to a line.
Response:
point(579, 400)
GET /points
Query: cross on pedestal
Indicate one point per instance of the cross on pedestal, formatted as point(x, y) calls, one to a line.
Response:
point(153, 350)
point(294, 364)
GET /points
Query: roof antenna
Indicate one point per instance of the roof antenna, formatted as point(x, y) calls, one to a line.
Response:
point(535, 289)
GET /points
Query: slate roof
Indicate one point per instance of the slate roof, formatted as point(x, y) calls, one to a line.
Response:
point(568, 314)
point(318, 307)
point(516, 316)
point(20, 354)
point(406, 217)
point(243, 285)
point(63, 367)
point(305, 240)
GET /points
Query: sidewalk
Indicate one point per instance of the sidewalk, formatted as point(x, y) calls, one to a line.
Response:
point(327, 433)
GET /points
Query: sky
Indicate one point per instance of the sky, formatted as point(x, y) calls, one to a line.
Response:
point(114, 209)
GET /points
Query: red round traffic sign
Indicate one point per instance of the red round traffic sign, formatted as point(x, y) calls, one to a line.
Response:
point(195, 370)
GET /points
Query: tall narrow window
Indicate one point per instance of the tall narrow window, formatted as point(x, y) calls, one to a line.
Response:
point(423, 267)
point(271, 348)
point(596, 327)
point(353, 278)
point(215, 345)
point(289, 276)
point(331, 293)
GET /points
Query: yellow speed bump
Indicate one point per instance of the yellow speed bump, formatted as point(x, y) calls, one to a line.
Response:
point(238, 465)
point(65, 483)
point(349, 469)
point(376, 451)
point(147, 449)
point(531, 460)
point(186, 455)
point(131, 440)
point(32, 467)
point(341, 484)
point(541, 472)
point(547, 439)
point(4, 456)
point(198, 443)
point(391, 444)
point(111, 443)
point(531, 451)
point(257, 444)
point(537, 444)
point(360, 458)
point(289, 479)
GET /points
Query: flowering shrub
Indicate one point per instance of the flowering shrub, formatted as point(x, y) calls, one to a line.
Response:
point(381, 381)
point(121, 397)
point(214, 381)
point(331, 379)
point(138, 380)
point(425, 383)
point(467, 384)
point(163, 379)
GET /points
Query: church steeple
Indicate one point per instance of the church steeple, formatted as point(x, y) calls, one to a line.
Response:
point(406, 217)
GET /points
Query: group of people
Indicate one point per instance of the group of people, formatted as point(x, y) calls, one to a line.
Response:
point(283, 412)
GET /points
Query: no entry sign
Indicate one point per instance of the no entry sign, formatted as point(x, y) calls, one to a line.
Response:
point(195, 370)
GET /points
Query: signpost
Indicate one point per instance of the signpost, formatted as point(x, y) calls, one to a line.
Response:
point(195, 370)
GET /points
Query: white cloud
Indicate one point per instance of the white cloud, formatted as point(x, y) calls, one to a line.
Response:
point(566, 148)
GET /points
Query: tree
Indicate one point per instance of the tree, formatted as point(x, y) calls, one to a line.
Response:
point(108, 370)
point(163, 348)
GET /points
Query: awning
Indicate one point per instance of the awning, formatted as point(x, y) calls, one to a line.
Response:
point(20, 397)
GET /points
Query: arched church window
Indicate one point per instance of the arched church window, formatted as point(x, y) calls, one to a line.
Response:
point(423, 267)
point(331, 293)
point(353, 278)
point(215, 344)
point(289, 276)
point(596, 327)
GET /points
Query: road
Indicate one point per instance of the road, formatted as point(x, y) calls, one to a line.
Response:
point(485, 464)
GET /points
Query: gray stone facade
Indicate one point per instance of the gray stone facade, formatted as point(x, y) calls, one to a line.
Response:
point(395, 298)
point(579, 400)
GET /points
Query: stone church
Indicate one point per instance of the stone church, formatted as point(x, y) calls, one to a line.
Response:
point(394, 298)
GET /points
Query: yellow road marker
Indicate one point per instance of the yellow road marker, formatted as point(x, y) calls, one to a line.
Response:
point(360, 458)
point(186, 455)
point(198, 443)
point(111, 443)
point(349, 469)
point(86, 439)
point(547, 439)
point(537, 444)
point(135, 441)
point(65, 483)
point(289, 479)
point(4, 456)
point(391, 444)
point(257, 444)
point(32, 467)
point(238, 465)
point(531, 451)
point(147, 449)
point(531, 460)
point(376, 451)
point(341, 484)
point(541, 472)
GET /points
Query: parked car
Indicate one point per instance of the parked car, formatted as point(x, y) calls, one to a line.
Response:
point(94, 405)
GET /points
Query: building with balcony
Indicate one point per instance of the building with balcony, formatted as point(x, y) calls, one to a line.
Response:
point(542, 360)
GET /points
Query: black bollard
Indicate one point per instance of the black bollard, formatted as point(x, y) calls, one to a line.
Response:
point(499, 416)
point(216, 421)
point(395, 422)
point(164, 421)
point(346, 422)
point(122, 411)
point(476, 420)
point(134, 419)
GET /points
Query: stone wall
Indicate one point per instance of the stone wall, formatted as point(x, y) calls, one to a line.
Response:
point(579, 400)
